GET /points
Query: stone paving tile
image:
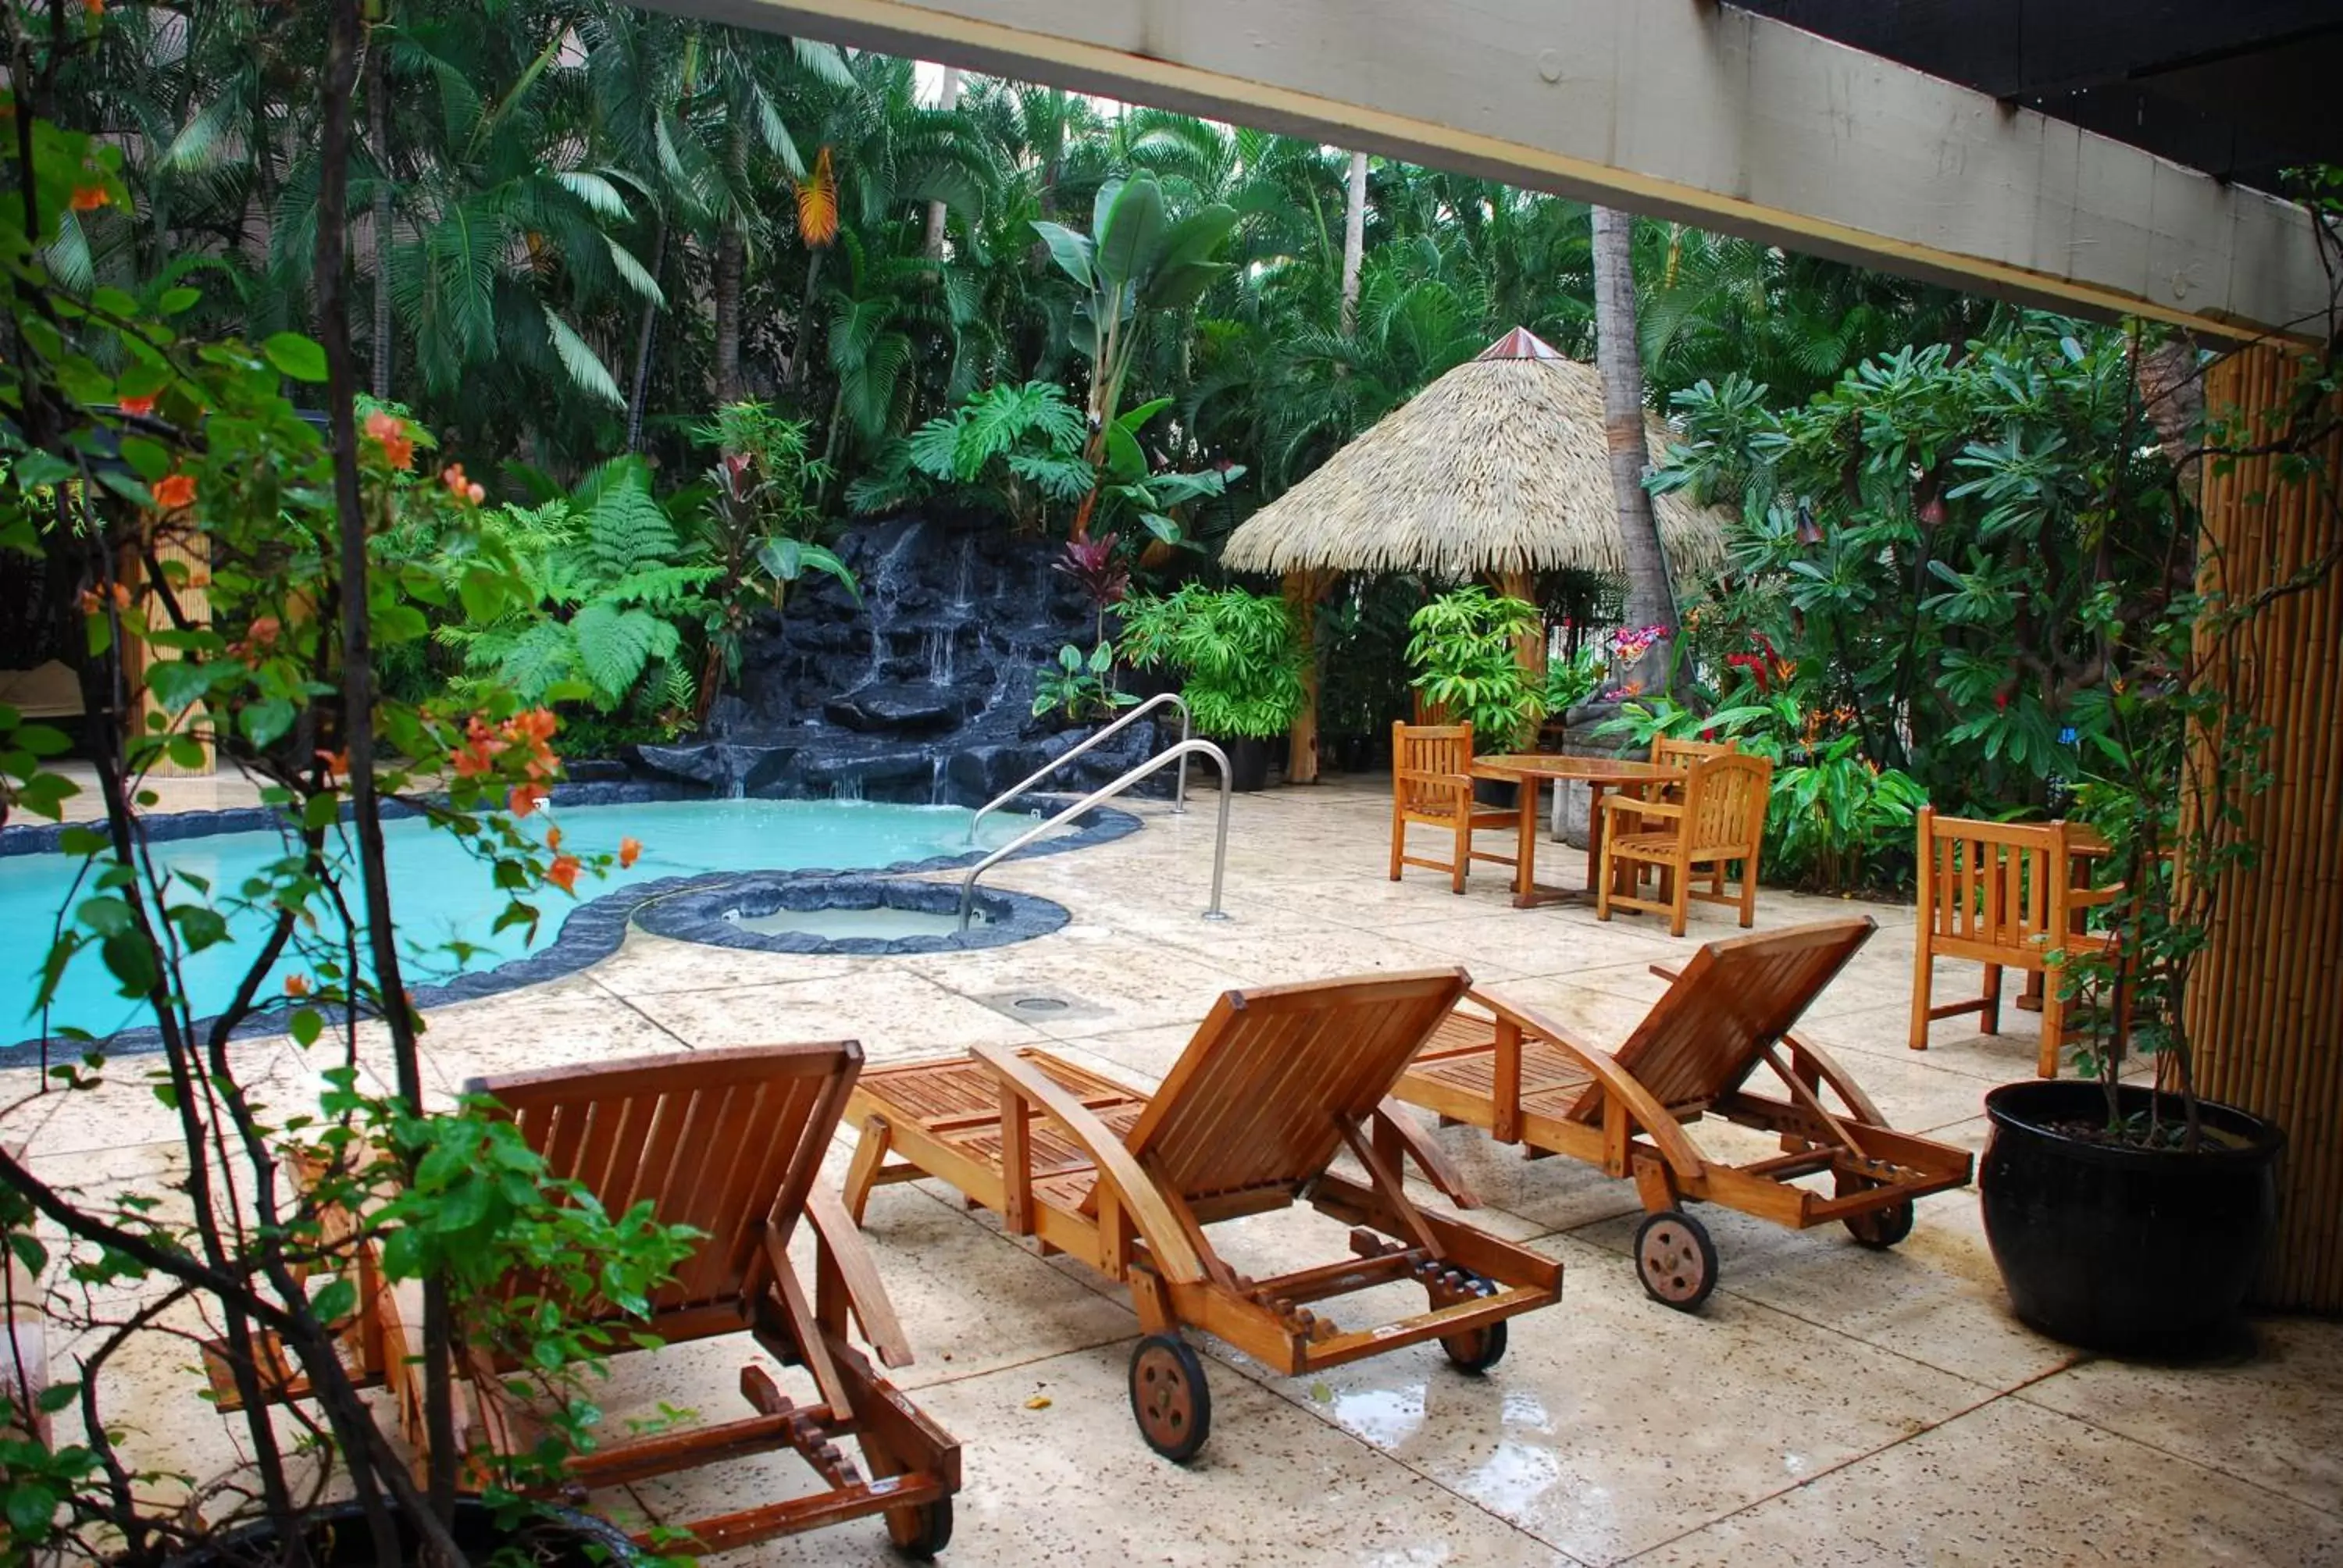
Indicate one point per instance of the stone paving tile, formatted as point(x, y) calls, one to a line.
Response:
point(1831, 1405)
point(2270, 1414)
point(1598, 1435)
point(2012, 1485)
point(896, 1014)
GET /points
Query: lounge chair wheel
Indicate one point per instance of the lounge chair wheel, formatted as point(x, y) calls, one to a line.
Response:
point(1475, 1349)
point(920, 1532)
point(1676, 1259)
point(1170, 1396)
point(1882, 1227)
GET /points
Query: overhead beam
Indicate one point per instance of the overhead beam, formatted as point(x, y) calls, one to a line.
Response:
point(1679, 109)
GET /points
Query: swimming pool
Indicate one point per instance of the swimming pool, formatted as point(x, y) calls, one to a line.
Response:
point(440, 894)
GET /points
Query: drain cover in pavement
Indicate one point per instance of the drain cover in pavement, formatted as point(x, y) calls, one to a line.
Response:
point(1031, 1004)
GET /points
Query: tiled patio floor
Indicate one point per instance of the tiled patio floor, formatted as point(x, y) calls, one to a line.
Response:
point(1831, 1405)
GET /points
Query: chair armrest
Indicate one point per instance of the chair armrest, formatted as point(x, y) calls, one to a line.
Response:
point(1647, 1112)
point(1167, 1243)
point(837, 1234)
point(1641, 807)
point(1460, 781)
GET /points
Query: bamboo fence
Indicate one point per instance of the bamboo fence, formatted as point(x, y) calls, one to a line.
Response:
point(2266, 1000)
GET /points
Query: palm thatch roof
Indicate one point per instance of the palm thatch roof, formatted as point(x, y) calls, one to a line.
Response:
point(1499, 465)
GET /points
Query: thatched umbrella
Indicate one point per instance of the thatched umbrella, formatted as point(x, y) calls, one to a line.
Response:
point(1497, 469)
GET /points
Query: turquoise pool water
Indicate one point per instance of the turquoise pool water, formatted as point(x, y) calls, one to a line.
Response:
point(438, 893)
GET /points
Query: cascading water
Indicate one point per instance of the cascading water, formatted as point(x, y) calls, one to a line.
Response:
point(881, 592)
point(963, 575)
point(940, 655)
point(922, 690)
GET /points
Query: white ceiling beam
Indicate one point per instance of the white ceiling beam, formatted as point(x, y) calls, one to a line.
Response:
point(1678, 109)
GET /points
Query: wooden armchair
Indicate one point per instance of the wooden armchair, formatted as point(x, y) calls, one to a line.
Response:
point(1432, 783)
point(1666, 752)
point(2004, 895)
point(1719, 823)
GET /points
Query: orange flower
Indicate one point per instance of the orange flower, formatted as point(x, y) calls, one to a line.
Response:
point(460, 487)
point(296, 985)
point(525, 798)
point(629, 851)
point(88, 601)
point(536, 723)
point(264, 630)
point(333, 762)
point(397, 446)
point(563, 872)
point(88, 198)
point(553, 837)
point(137, 405)
point(94, 7)
point(173, 490)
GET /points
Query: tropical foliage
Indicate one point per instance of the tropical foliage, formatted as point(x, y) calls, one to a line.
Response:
point(1237, 651)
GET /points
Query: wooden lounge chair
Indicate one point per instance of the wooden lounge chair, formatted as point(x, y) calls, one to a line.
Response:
point(1719, 821)
point(1526, 1080)
point(1995, 892)
point(730, 1143)
point(1276, 1083)
point(1432, 783)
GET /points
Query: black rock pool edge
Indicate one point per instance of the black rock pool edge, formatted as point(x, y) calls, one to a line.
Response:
point(591, 932)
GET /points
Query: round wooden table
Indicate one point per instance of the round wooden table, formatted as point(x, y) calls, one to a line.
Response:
point(1599, 774)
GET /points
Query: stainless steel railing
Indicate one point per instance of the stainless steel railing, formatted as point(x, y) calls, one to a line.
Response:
point(1213, 911)
point(1179, 793)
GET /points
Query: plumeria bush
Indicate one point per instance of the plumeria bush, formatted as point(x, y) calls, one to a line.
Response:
point(148, 464)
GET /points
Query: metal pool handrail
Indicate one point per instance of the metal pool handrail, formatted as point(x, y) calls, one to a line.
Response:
point(1180, 791)
point(1219, 835)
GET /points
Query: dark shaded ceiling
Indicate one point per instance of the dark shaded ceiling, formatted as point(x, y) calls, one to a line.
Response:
point(2238, 88)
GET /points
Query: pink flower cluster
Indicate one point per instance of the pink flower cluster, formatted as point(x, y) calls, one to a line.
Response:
point(1628, 644)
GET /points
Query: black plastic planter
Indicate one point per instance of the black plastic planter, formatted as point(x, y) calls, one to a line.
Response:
point(541, 1535)
point(2136, 1251)
point(1248, 761)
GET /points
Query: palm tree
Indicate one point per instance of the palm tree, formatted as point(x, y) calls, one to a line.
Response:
point(1355, 238)
point(1651, 598)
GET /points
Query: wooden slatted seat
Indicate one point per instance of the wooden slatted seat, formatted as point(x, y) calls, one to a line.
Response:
point(728, 1142)
point(2004, 895)
point(1526, 1080)
point(1717, 823)
point(1431, 784)
point(1275, 1084)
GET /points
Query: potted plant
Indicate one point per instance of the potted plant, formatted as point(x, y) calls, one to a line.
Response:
point(2131, 1216)
point(1464, 647)
point(279, 1210)
point(1241, 660)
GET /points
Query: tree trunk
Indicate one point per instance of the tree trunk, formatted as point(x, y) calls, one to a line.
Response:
point(1354, 241)
point(801, 352)
point(1650, 600)
point(934, 249)
point(379, 141)
point(646, 338)
point(731, 273)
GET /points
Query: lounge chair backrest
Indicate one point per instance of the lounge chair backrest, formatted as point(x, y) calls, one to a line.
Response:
point(1726, 1008)
point(721, 1140)
point(1442, 750)
point(1260, 1096)
point(1724, 802)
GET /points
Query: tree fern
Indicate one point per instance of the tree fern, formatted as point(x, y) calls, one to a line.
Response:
point(614, 645)
point(627, 531)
